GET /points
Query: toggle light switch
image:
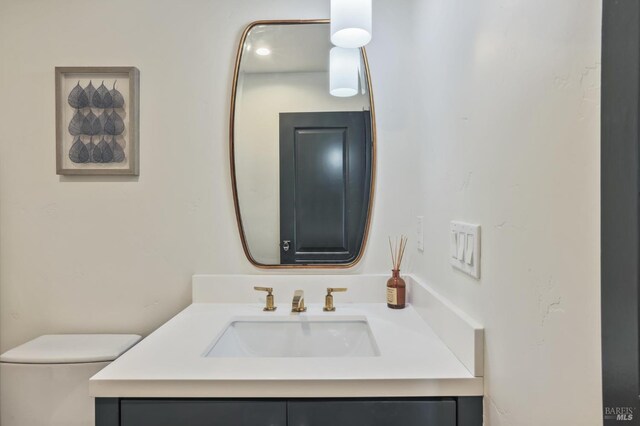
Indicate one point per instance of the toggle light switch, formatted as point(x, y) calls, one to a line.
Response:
point(453, 244)
point(462, 241)
point(468, 252)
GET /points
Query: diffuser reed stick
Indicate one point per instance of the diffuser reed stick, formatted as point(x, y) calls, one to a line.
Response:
point(393, 259)
point(397, 251)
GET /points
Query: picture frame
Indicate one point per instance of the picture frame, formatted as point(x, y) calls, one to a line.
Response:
point(97, 120)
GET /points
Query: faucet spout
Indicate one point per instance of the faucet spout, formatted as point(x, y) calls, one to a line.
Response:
point(297, 304)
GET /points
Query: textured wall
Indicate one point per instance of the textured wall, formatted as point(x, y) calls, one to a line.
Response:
point(509, 99)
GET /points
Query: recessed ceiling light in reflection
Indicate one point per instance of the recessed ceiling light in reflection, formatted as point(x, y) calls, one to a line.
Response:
point(263, 51)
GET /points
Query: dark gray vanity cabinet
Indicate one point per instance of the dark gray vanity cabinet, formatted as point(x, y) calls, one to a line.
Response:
point(372, 412)
point(202, 412)
point(462, 411)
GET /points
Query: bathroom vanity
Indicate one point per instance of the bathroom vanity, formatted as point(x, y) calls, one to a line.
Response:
point(224, 360)
point(303, 178)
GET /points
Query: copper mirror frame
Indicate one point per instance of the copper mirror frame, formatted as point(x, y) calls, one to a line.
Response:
point(236, 203)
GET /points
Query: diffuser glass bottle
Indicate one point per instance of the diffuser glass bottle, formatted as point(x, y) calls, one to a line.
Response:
point(396, 290)
point(396, 287)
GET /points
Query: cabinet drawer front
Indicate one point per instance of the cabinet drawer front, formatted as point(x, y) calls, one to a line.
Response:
point(195, 412)
point(372, 413)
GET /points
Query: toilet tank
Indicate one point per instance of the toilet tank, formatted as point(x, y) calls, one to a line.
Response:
point(45, 382)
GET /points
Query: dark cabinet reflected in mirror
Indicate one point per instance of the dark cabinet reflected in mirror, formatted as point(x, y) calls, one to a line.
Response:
point(302, 147)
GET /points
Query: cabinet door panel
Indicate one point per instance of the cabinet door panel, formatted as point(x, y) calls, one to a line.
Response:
point(195, 412)
point(372, 413)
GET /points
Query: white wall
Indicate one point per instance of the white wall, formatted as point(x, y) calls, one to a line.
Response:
point(261, 99)
point(117, 254)
point(509, 97)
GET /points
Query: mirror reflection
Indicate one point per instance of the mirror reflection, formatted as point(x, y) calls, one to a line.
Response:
point(302, 147)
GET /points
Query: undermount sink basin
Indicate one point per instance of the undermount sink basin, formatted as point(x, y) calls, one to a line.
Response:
point(295, 337)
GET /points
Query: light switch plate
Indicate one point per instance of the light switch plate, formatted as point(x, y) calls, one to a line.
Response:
point(465, 248)
point(420, 233)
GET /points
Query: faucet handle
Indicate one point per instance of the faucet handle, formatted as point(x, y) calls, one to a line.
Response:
point(270, 307)
point(328, 299)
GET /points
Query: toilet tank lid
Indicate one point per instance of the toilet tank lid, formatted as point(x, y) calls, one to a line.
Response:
point(71, 348)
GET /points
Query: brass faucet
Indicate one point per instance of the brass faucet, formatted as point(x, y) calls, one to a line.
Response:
point(270, 306)
point(297, 304)
point(328, 299)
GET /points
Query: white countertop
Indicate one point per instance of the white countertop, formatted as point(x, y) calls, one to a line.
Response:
point(170, 362)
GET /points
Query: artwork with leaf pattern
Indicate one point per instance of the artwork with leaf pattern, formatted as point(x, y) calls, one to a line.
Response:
point(97, 120)
point(98, 115)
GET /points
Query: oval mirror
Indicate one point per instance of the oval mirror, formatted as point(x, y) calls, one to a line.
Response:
point(302, 146)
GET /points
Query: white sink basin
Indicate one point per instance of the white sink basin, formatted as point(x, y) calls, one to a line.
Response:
point(296, 337)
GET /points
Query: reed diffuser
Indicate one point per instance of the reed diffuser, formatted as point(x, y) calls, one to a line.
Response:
point(396, 287)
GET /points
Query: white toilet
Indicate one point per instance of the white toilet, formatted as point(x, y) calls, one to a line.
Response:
point(45, 382)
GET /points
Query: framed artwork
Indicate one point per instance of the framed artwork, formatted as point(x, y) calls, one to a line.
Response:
point(97, 120)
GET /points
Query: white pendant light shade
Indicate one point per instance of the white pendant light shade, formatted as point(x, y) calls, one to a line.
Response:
point(343, 71)
point(350, 23)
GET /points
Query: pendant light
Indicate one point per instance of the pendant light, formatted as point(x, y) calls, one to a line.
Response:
point(344, 72)
point(350, 23)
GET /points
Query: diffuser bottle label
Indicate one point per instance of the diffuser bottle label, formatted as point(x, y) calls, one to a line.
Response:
point(392, 296)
